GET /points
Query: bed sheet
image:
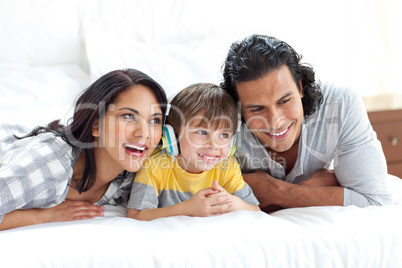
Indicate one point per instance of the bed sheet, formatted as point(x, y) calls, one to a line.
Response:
point(298, 237)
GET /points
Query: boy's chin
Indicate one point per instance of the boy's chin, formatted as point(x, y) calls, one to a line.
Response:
point(208, 166)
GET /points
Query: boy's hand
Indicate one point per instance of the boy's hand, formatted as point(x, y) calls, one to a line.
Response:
point(208, 202)
point(238, 203)
point(222, 192)
point(217, 187)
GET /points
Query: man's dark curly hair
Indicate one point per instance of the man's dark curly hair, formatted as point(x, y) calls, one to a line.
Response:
point(257, 55)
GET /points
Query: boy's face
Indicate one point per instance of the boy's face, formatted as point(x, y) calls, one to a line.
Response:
point(202, 147)
point(272, 108)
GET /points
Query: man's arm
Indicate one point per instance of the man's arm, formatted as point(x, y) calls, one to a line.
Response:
point(321, 189)
point(359, 162)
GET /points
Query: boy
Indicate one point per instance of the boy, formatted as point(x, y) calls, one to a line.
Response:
point(204, 178)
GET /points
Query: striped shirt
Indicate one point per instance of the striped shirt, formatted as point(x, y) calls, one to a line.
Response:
point(35, 172)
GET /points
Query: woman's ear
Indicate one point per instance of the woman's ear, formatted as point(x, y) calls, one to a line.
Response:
point(95, 128)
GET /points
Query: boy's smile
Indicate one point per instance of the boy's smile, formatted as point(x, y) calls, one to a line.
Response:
point(208, 157)
point(202, 148)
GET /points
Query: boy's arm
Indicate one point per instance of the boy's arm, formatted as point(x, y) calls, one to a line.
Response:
point(238, 203)
point(203, 204)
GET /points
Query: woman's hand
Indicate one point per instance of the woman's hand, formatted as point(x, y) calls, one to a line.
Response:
point(66, 211)
point(69, 211)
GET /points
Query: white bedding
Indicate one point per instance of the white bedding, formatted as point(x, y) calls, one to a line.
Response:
point(52, 49)
point(299, 237)
point(304, 237)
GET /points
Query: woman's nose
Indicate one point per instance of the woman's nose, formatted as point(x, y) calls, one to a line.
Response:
point(142, 130)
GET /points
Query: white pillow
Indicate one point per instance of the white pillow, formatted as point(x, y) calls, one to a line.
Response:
point(40, 32)
point(32, 96)
point(173, 65)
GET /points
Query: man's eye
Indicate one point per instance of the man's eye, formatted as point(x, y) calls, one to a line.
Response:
point(258, 109)
point(285, 101)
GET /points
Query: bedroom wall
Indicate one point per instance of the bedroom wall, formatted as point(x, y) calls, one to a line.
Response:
point(348, 42)
point(51, 49)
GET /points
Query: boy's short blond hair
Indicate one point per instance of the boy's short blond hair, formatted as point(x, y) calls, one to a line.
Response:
point(217, 107)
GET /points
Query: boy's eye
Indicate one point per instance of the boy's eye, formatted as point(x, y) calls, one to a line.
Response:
point(225, 135)
point(202, 132)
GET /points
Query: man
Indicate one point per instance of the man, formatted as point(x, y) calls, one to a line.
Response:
point(297, 129)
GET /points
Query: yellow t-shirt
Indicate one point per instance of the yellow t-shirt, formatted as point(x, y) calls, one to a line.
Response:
point(162, 182)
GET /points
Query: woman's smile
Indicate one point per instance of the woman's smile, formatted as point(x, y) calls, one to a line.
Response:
point(135, 149)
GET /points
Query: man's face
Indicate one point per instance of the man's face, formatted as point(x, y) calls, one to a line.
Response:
point(272, 108)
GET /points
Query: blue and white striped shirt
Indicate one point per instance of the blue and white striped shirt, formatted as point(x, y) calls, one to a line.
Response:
point(35, 172)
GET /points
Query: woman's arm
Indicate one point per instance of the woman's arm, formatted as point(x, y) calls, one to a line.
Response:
point(39, 165)
point(66, 211)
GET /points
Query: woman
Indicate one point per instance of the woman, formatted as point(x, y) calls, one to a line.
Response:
point(63, 173)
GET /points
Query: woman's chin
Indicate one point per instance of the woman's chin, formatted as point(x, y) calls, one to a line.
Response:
point(135, 165)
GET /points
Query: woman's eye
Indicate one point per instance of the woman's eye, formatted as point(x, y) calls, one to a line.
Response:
point(128, 117)
point(156, 121)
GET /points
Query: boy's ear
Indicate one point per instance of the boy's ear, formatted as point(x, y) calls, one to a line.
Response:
point(95, 128)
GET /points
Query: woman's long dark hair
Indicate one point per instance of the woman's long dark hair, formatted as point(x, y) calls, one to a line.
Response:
point(257, 55)
point(89, 107)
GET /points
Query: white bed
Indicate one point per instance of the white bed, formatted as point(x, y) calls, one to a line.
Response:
point(299, 237)
point(51, 49)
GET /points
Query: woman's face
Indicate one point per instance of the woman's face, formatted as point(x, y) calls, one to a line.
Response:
point(130, 130)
